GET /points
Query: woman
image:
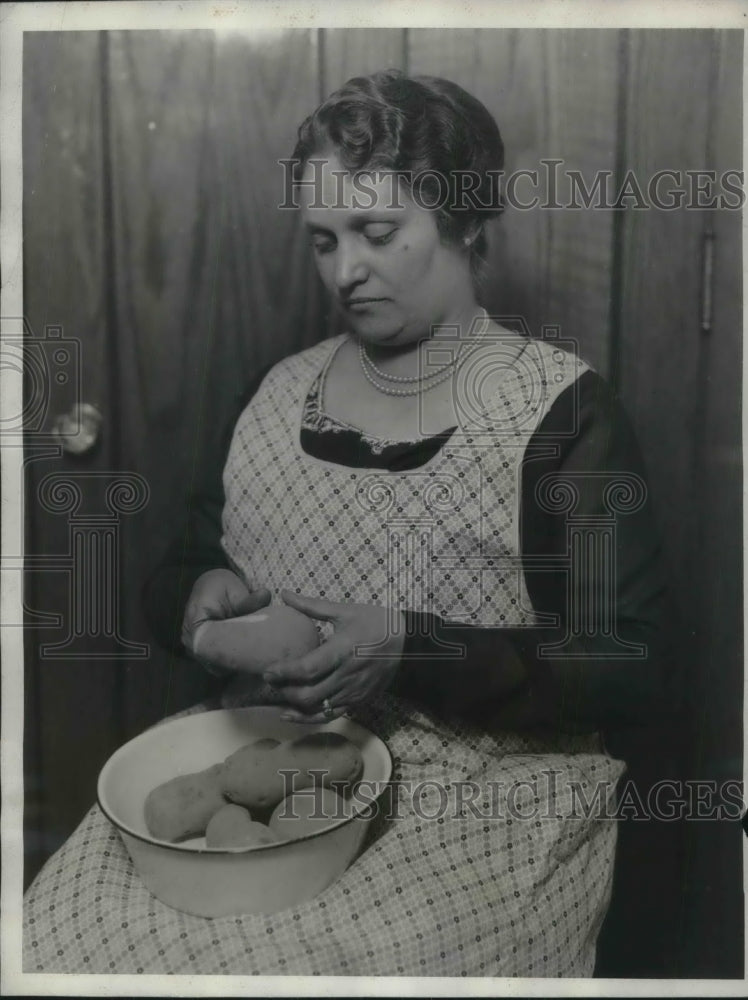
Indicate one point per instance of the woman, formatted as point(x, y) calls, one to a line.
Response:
point(395, 483)
point(340, 444)
point(397, 271)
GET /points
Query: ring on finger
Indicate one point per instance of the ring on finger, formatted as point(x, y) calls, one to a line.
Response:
point(327, 710)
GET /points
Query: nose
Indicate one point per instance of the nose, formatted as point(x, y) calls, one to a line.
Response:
point(350, 266)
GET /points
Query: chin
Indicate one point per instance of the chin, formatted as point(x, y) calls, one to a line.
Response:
point(377, 333)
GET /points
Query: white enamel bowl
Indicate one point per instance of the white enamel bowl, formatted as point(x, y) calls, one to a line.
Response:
point(213, 882)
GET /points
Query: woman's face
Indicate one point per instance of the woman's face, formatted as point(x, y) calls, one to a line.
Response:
point(380, 255)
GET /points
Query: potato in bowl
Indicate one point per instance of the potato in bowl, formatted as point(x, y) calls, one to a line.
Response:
point(256, 777)
point(264, 878)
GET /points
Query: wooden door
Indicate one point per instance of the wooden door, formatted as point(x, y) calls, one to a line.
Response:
point(677, 349)
point(73, 703)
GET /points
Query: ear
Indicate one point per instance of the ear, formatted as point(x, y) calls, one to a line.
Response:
point(471, 234)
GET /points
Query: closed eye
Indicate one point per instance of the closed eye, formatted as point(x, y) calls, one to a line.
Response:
point(379, 236)
point(322, 244)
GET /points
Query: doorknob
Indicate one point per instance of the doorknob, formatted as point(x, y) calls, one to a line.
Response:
point(79, 428)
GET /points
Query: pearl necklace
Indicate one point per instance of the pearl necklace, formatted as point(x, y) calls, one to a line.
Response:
point(436, 377)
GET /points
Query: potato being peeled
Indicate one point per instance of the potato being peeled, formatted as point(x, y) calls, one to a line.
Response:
point(308, 811)
point(252, 643)
point(233, 826)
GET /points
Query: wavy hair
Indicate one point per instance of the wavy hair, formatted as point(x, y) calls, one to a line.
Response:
point(420, 125)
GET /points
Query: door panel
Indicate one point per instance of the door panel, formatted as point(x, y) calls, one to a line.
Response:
point(165, 238)
point(347, 52)
point(715, 849)
point(75, 721)
point(681, 386)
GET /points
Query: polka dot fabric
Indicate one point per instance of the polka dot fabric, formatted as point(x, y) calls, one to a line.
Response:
point(436, 891)
point(485, 868)
point(442, 538)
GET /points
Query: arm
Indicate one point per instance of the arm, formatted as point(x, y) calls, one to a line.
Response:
point(502, 680)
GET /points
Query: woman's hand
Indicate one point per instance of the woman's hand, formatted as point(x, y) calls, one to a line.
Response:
point(219, 594)
point(335, 674)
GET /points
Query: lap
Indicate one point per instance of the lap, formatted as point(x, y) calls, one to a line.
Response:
point(444, 888)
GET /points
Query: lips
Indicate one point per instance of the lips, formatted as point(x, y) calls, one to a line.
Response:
point(360, 301)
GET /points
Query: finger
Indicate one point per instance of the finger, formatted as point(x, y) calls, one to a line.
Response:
point(312, 666)
point(248, 603)
point(337, 687)
point(227, 606)
point(195, 615)
point(315, 607)
point(190, 623)
point(293, 715)
point(305, 699)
